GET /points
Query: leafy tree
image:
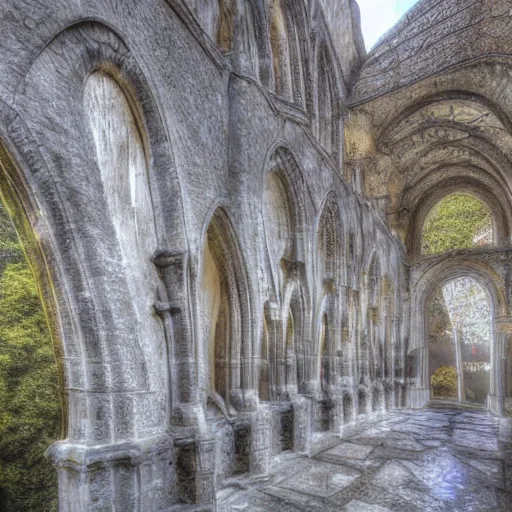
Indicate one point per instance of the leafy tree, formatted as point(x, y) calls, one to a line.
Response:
point(469, 310)
point(29, 398)
point(444, 382)
point(10, 248)
point(457, 222)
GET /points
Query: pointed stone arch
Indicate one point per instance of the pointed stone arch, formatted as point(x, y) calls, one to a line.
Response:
point(329, 270)
point(112, 374)
point(375, 342)
point(387, 132)
point(288, 37)
point(226, 312)
point(22, 206)
point(286, 214)
point(425, 282)
point(495, 202)
point(326, 100)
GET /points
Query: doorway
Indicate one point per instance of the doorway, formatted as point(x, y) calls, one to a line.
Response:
point(460, 333)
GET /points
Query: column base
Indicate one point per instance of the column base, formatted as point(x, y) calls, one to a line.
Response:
point(120, 476)
point(416, 398)
point(196, 471)
point(302, 419)
point(497, 405)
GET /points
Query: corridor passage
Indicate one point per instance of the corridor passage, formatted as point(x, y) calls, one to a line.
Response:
point(434, 460)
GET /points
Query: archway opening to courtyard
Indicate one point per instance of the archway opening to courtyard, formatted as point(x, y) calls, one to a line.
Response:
point(459, 221)
point(30, 400)
point(460, 334)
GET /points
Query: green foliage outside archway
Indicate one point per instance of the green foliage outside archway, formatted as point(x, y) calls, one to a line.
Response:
point(30, 411)
point(444, 382)
point(457, 222)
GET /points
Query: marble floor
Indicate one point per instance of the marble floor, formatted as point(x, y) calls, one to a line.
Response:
point(429, 461)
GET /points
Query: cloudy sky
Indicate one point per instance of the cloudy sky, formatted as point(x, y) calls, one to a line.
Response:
point(377, 16)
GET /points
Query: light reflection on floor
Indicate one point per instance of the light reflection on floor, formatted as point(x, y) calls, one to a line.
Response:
point(428, 461)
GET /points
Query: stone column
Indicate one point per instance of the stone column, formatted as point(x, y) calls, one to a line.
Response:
point(277, 363)
point(333, 337)
point(355, 335)
point(175, 312)
point(302, 417)
point(508, 379)
point(418, 389)
point(397, 357)
point(261, 445)
point(502, 336)
point(195, 450)
point(461, 388)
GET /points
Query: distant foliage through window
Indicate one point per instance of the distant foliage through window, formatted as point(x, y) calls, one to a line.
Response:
point(30, 410)
point(457, 222)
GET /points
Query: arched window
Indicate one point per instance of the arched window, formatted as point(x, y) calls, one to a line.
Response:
point(286, 43)
point(459, 221)
point(330, 244)
point(279, 224)
point(375, 341)
point(224, 310)
point(122, 161)
point(326, 97)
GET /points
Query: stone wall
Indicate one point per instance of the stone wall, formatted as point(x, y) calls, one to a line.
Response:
point(221, 289)
point(225, 211)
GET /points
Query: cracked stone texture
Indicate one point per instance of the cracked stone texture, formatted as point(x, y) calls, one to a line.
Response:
point(436, 460)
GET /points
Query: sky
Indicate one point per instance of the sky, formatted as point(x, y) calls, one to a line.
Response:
point(378, 16)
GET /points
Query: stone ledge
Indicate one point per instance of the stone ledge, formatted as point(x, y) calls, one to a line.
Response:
point(82, 458)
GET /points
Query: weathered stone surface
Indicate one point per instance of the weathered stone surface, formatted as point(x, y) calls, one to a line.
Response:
point(225, 200)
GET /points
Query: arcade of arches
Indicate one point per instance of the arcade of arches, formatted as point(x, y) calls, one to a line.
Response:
point(271, 265)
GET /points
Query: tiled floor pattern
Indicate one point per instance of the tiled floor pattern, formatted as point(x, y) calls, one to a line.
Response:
point(411, 461)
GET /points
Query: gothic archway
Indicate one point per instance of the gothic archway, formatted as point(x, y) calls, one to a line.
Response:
point(425, 285)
